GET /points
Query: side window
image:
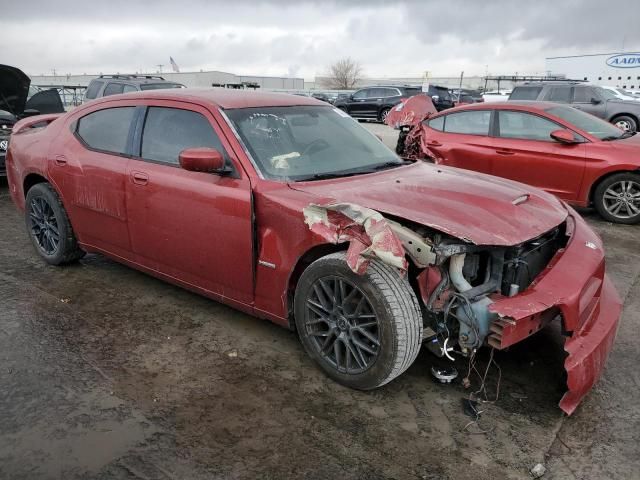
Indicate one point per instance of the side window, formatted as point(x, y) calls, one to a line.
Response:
point(525, 93)
point(92, 91)
point(107, 130)
point(113, 89)
point(525, 126)
point(583, 94)
point(559, 94)
point(471, 123)
point(389, 92)
point(361, 94)
point(168, 131)
point(437, 123)
point(129, 88)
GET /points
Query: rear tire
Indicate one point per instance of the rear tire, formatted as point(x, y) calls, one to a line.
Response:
point(617, 198)
point(48, 226)
point(355, 358)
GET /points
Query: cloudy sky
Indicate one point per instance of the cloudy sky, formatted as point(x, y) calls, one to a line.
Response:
point(300, 38)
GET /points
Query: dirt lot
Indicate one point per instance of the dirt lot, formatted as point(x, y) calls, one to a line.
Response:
point(106, 373)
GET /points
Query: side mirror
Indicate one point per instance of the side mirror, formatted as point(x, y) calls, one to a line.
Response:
point(202, 160)
point(563, 136)
point(595, 101)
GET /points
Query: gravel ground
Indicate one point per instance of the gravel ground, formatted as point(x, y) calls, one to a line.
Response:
point(106, 373)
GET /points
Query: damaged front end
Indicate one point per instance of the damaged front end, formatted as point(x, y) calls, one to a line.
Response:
point(482, 295)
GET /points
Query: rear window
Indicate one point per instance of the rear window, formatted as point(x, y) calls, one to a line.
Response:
point(412, 91)
point(92, 91)
point(106, 130)
point(525, 93)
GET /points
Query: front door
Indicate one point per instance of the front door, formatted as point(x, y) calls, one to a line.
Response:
point(89, 170)
point(528, 154)
point(193, 226)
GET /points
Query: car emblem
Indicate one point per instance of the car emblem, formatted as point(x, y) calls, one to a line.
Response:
point(3, 145)
point(591, 245)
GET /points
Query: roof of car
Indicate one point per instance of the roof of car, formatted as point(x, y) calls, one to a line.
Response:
point(509, 105)
point(222, 97)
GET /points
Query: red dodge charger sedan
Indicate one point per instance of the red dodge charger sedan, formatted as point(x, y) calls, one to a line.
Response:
point(285, 208)
point(576, 156)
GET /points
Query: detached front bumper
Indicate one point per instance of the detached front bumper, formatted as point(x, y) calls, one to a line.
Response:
point(575, 287)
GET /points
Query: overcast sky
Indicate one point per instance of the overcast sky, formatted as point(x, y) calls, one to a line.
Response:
point(300, 38)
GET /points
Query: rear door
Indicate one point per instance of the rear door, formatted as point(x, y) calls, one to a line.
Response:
point(192, 226)
point(461, 139)
point(525, 152)
point(89, 170)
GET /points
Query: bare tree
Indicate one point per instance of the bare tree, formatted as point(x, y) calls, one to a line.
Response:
point(344, 74)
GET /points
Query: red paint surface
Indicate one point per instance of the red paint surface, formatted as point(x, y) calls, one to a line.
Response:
point(411, 111)
point(197, 229)
point(568, 171)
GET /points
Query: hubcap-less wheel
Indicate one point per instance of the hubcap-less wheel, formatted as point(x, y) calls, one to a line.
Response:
point(44, 225)
point(622, 199)
point(342, 325)
point(384, 115)
point(624, 125)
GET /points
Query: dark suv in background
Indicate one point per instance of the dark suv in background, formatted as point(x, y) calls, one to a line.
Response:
point(592, 99)
point(441, 97)
point(106, 85)
point(375, 102)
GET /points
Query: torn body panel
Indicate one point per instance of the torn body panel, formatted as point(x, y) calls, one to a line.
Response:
point(367, 231)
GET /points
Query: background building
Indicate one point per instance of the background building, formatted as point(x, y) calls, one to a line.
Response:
point(620, 69)
point(189, 79)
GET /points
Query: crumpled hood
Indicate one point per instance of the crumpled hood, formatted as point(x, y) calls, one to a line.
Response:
point(479, 208)
point(14, 89)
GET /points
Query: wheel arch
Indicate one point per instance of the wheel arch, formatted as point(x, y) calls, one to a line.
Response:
point(306, 259)
point(596, 183)
point(30, 180)
point(633, 116)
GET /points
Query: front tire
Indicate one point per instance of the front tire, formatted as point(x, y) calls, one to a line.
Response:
point(626, 123)
point(384, 114)
point(617, 198)
point(48, 226)
point(362, 330)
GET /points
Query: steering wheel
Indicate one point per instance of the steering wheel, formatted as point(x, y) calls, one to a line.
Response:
point(315, 146)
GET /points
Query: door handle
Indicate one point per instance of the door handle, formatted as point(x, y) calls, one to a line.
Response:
point(140, 178)
point(60, 160)
point(505, 152)
point(434, 143)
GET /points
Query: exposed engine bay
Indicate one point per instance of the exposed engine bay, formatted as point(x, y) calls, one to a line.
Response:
point(457, 281)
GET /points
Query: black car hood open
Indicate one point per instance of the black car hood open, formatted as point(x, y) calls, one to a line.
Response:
point(14, 89)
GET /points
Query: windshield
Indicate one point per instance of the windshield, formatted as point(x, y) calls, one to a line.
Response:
point(586, 122)
point(309, 142)
point(159, 86)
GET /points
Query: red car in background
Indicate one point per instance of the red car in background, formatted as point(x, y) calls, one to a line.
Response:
point(286, 208)
point(576, 156)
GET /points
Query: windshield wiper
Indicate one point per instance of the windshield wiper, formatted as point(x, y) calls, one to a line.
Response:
point(619, 137)
point(324, 176)
point(350, 173)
